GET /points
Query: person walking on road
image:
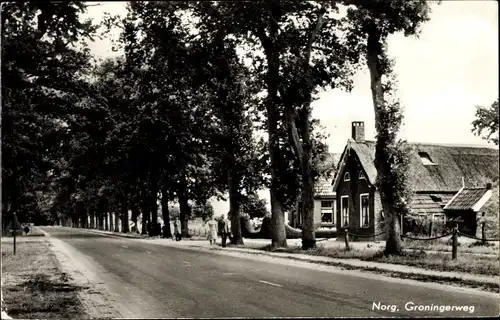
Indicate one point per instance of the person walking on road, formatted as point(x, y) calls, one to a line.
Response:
point(225, 232)
point(211, 230)
point(177, 229)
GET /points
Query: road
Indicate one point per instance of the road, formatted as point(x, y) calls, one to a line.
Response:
point(155, 281)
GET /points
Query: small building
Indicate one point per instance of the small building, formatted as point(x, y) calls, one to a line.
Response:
point(448, 181)
point(324, 200)
point(465, 206)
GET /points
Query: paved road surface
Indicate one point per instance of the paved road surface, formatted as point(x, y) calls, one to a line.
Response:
point(159, 281)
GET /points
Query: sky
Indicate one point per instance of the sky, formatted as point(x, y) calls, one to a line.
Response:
point(443, 74)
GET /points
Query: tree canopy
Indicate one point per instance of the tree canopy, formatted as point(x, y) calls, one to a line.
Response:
point(174, 117)
point(486, 122)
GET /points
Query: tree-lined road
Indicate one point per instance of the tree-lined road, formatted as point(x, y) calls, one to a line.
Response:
point(160, 281)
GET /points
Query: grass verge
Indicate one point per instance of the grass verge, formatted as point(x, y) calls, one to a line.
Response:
point(464, 247)
point(33, 285)
point(481, 265)
point(472, 264)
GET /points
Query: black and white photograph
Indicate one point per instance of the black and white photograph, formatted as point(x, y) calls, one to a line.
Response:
point(249, 159)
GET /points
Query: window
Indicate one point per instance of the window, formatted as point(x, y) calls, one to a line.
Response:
point(364, 209)
point(361, 176)
point(436, 198)
point(426, 159)
point(344, 208)
point(326, 204)
point(347, 177)
point(327, 211)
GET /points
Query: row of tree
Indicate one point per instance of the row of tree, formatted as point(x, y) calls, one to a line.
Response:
point(175, 116)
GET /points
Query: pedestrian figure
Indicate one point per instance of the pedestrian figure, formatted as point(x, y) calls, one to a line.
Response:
point(225, 230)
point(211, 230)
point(177, 229)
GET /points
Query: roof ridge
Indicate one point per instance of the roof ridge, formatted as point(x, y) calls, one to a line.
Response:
point(451, 145)
point(454, 145)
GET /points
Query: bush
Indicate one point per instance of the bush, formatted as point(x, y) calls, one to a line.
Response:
point(326, 233)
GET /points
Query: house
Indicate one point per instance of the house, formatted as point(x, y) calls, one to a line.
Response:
point(324, 200)
point(448, 181)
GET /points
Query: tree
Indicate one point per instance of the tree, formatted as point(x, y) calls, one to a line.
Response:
point(226, 86)
point(173, 114)
point(286, 33)
point(254, 206)
point(38, 94)
point(370, 24)
point(487, 122)
point(203, 210)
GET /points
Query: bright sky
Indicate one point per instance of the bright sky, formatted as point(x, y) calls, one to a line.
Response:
point(443, 74)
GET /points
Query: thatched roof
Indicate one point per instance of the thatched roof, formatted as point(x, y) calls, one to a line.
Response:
point(323, 187)
point(491, 206)
point(477, 165)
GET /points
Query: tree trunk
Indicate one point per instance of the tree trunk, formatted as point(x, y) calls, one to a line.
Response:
point(278, 237)
point(124, 216)
point(101, 220)
point(153, 193)
point(304, 150)
point(145, 213)
point(184, 206)
point(91, 215)
point(86, 215)
point(374, 54)
point(393, 245)
point(308, 230)
point(112, 218)
point(165, 212)
point(117, 221)
point(234, 208)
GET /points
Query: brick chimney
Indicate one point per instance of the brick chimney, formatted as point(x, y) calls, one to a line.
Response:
point(358, 130)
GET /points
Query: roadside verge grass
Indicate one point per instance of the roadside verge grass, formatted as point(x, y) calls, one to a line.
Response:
point(33, 285)
point(468, 263)
point(370, 256)
point(464, 247)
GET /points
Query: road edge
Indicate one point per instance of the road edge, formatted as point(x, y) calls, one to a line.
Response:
point(92, 298)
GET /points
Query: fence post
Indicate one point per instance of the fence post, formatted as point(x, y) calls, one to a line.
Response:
point(483, 229)
point(454, 243)
point(346, 238)
point(14, 227)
